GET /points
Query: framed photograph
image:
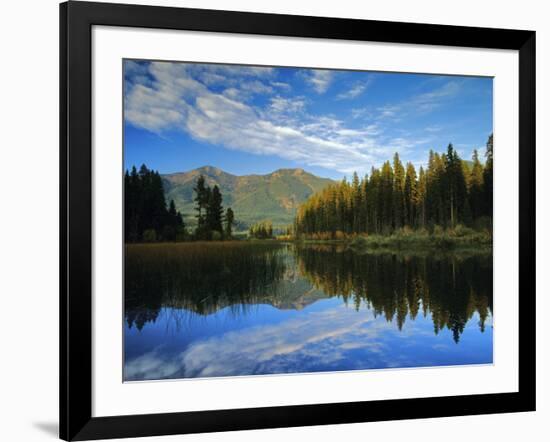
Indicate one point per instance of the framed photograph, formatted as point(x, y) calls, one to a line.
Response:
point(272, 220)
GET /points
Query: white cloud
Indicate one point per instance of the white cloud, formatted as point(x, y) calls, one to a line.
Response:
point(388, 111)
point(287, 105)
point(319, 79)
point(281, 85)
point(356, 90)
point(177, 99)
point(256, 87)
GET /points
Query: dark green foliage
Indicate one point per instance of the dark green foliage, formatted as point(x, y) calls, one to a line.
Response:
point(209, 210)
point(201, 199)
point(488, 180)
point(261, 230)
point(146, 217)
point(450, 192)
point(214, 211)
point(476, 194)
point(229, 219)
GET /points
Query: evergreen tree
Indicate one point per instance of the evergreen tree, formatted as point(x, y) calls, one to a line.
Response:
point(386, 198)
point(421, 201)
point(410, 196)
point(229, 218)
point(214, 211)
point(488, 179)
point(201, 199)
point(476, 196)
point(454, 185)
point(398, 192)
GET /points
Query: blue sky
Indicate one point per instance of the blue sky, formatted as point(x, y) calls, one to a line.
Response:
point(247, 119)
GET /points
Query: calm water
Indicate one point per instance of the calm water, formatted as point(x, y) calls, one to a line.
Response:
point(200, 310)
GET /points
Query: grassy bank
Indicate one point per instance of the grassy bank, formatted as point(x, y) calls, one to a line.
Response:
point(459, 237)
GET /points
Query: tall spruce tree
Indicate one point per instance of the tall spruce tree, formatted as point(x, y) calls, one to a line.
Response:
point(201, 200)
point(410, 196)
point(476, 197)
point(421, 201)
point(488, 179)
point(229, 219)
point(214, 211)
point(398, 192)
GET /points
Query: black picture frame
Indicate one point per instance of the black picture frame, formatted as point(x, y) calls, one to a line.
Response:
point(76, 21)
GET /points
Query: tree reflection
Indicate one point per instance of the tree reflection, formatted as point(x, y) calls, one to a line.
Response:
point(451, 288)
point(202, 278)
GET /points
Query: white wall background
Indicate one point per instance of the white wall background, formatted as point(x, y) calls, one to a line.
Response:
point(29, 217)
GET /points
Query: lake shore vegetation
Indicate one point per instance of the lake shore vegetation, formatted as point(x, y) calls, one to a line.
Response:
point(448, 204)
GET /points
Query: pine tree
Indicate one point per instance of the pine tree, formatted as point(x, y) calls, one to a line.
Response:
point(455, 187)
point(410, 196)
point(214, 211)
point(386, 198)
point(201, 199)
point(488, 179)
point(398, 189)
point(229, 218)
point(421, 202)
point(476, 196)
point(356, 203)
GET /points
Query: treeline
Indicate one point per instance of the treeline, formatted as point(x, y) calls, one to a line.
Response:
point(261, 230)
point(146, 216)
point(449, 192)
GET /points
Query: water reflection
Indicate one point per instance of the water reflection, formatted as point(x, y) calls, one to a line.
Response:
point(451, 287)
point(252, 308)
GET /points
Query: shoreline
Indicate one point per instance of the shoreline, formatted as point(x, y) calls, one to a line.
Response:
point(401, 241)
point(457, 239)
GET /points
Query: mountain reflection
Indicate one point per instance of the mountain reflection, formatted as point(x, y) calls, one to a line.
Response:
point(203, 278)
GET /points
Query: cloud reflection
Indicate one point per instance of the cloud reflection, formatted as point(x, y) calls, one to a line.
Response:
point(321, 340)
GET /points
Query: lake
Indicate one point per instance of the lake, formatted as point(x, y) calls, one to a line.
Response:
point(250, 308)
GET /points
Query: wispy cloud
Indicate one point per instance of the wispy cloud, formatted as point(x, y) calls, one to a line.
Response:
point(430, 101)
point(433, 129)
point(356, 90)
point(415, 105)
point(215, 104)
point(287, 105)
point(281, 85)
point(319, 79)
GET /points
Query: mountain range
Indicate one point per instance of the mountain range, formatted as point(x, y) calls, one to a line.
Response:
point(253, 198)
